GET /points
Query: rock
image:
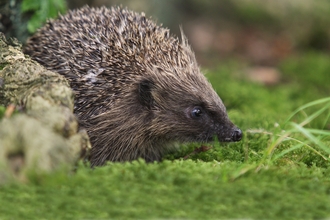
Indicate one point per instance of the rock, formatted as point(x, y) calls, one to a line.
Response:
point(264, 75)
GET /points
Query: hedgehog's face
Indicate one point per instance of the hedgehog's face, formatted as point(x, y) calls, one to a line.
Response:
point(187, 116)
point(206, 122)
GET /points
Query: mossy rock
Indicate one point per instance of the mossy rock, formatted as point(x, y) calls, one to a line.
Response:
point(44, 133)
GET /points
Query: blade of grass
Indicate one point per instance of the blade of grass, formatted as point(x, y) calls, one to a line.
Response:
point(301, 144)
point(311, 137)
point(326, 119)
point(310, 104)
point(318, 131)
point(278, 156)
point(314, 115)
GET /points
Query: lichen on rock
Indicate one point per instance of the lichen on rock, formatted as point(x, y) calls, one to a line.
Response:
point(44, 133)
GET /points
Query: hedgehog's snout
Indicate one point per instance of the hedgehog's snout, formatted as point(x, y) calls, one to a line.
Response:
point(236, 135)
point(230, 135)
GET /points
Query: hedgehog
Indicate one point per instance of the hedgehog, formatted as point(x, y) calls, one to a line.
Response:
point(138, 88)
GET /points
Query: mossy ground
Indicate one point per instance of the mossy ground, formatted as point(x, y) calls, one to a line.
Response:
point(228, 181)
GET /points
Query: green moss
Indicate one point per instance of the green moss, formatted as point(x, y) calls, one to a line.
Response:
point(179, 189)
point(2, 111)
point(41, 11)
point(2, 65)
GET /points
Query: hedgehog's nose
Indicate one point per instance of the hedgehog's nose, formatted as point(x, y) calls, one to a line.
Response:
point(237, 135)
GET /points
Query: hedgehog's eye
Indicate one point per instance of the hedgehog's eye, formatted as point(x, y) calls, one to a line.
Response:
point(196, 112)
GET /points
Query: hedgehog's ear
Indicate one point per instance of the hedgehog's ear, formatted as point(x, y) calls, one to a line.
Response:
point(145, 95)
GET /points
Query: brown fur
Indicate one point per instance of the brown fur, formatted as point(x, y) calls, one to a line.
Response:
point(136, 85)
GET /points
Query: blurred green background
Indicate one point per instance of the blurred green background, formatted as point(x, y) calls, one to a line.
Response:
point(262, 32)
